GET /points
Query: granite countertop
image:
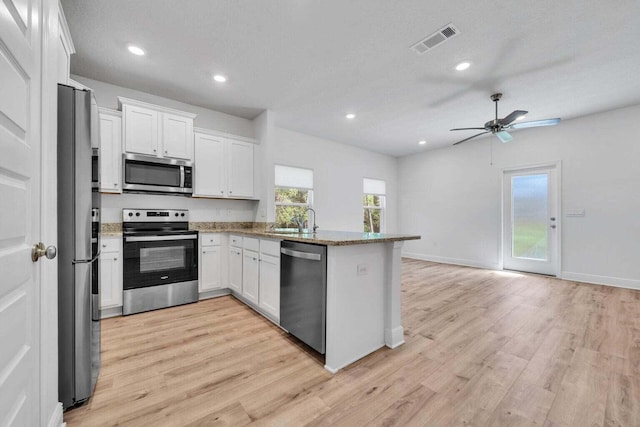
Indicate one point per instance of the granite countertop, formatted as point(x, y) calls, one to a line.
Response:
point(330, 238)
point(322, 237)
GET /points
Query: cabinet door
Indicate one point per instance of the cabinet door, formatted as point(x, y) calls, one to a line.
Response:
point(177, 136)
point(235, 270)
point(110, 153)
point(240, 169)
point(209, 166)
point(210, 268)
point(270, 285)
point(140, 130)
point(250, 276)
point(110, 279)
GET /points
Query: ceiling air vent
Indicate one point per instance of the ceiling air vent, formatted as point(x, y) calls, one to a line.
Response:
point(435, 39)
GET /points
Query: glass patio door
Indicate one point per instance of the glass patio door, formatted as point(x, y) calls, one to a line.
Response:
point(531, 225)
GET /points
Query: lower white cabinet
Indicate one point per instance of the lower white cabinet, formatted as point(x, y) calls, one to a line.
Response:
point(250, 275)
point(210, 262)
point(270, 284)
point(235, 269)
point(110, 271)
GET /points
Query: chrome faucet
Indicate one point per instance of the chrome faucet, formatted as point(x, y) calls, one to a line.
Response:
point(315, 227)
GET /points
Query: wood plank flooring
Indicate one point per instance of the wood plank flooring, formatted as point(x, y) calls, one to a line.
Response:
point(482, 348)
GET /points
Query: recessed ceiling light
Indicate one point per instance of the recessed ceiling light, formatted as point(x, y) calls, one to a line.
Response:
point(219, 78)
point(463, 66)
point(422, 142)
point(521, 117)
point(350, 116)
point(135, 50)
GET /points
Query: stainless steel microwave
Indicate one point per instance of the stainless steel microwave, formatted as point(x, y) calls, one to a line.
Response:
point(146, 174)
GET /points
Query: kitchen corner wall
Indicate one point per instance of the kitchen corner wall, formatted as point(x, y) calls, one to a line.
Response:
point(338, 170)
point(200, 210)
point(452, 196)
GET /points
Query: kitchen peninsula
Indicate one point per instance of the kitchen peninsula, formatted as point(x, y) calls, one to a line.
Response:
point(363, 291)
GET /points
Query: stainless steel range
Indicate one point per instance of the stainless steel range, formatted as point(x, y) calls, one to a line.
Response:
point(160, 259)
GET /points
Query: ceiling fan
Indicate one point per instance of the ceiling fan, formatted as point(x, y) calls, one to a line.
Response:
point(499, 127)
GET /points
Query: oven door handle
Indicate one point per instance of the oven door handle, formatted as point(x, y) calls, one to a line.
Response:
point(160, 238)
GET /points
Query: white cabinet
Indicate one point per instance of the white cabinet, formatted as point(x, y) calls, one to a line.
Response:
point(110, 151)
point(224, 165)
point(156, 131)
point(210, 263)
point(177, 136)
point(110, 271)
point(209, 155)
point(235, 269)
point(140, 130)
point(250, 275)
point(269, 291)
point(240, 169)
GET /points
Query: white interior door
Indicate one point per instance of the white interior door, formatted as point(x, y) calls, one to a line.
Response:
point(531, 223)
point(20, 148)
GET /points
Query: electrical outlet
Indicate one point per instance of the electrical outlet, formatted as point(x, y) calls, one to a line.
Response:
point(362, 269)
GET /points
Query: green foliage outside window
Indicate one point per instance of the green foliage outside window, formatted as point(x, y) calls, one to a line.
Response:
point(291, 207)
point(372, 213)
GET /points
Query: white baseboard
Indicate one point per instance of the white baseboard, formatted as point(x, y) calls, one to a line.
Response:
point(618, 282)
point(56, 417)
point(456, 261)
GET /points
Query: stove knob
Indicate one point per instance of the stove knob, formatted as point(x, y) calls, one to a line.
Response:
point(137, 213)
point(176, 213)
point(130, 213)
point(182, 214)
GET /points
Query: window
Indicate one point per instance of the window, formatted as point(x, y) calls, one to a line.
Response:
point(373, 202)
point(293, 196)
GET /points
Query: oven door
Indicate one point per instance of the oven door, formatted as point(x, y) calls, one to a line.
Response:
point(159, 259)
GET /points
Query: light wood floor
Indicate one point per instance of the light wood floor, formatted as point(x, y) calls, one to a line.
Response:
point(482, 348)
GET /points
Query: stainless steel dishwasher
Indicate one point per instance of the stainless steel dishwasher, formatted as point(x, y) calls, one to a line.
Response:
point(303, 292)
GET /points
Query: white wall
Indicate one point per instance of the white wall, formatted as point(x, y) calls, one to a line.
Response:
point(107, 97)
point(452, 196)
point(338, 170)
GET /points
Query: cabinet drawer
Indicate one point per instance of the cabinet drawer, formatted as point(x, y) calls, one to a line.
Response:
point(270, 247)
point(251, 244)
point(235, 240)
point(110, 244)
point(210, 239)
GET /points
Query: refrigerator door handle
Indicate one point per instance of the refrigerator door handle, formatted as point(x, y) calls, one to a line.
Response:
point(86, 261)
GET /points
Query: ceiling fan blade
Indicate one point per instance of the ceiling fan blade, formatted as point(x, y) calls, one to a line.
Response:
point(471, 137)
point(511, 117)
point(535, 123)
point(468, 129)
point(504, 136)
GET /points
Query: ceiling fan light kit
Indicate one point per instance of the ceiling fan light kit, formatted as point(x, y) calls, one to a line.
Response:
point(499, 127)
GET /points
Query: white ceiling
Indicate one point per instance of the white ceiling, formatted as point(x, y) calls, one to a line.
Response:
point(311, 62)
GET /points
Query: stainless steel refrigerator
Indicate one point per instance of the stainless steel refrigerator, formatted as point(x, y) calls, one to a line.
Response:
point(78, 247)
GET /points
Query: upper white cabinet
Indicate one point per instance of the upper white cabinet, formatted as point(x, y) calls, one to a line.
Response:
point(156, 131)
point(110, 151)
point(224, 165)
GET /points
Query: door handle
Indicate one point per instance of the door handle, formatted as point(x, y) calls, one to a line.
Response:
point(38, 250)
